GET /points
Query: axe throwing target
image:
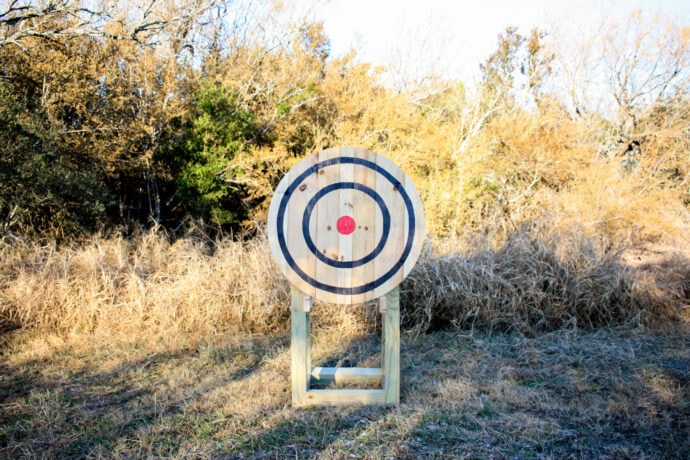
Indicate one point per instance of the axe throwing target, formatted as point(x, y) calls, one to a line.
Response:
point(346, 225)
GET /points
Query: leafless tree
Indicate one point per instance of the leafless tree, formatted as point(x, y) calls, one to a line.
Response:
point(647, 62)
point(63, 19)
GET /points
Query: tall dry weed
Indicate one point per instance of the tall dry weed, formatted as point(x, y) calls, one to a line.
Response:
point(538, 282)
point(540, 279)
point(145, 285)
point(151, 287)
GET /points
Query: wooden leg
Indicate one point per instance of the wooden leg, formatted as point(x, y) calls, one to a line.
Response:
point(301, 370)
point(390, 352)
point(301, 352)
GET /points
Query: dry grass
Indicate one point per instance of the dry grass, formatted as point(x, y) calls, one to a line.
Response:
point(143, 348)
point(538, 280)
point(145, 285)
point(541, 280)
point(567, 394)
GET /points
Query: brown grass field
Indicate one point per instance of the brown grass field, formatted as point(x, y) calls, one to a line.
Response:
point(566, 394)
point(546, 346)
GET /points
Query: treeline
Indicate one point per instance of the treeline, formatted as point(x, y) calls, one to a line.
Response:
point(119, 117)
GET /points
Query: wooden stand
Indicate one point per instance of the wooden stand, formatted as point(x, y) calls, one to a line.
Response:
point(303, 375)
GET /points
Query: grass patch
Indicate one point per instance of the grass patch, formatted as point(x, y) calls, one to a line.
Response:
point(609, 393)
point(538, 279)
point(542, 344)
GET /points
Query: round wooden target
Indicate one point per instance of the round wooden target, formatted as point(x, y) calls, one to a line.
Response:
point(346, 225)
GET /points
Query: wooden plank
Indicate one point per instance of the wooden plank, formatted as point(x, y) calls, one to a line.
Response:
point(301, 195)
point(419, 230)
point(398, 216)
point(390, 353)
point(300, 342)
point(274, 233)
point(346, 375)
point(346, 208)
point(327, 237)
point(369, 223)
point(307, 349)
point(340, 397)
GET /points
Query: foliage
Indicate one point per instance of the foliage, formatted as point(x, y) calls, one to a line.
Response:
point(516, 71)
point(151, 116)
point(210, 182)
point(44, 185)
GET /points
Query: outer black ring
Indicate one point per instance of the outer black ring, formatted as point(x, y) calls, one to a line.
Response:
point(338, 186)
point(280, 219)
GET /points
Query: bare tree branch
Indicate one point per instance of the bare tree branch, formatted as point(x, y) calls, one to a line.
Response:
point(65, 19)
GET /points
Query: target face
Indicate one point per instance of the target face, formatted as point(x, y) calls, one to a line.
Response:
point(346, 225)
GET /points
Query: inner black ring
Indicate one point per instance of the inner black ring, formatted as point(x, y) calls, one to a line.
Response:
point(346, 263)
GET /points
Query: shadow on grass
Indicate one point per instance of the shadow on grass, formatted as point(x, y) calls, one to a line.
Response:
point(619, 394)
point(537, 283)
point(70, 406)
point(603, 394)
point(566, 394)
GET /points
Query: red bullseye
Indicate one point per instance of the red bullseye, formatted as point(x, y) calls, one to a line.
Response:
point(346, 225)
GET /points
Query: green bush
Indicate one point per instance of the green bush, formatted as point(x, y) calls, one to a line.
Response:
point(210, 182)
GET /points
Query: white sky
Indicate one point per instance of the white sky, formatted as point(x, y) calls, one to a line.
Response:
point(456, 36)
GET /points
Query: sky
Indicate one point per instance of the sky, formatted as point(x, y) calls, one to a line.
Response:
point(452, 36)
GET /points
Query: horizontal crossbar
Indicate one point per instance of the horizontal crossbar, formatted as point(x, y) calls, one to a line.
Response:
point(346, 397)
point(346, 375)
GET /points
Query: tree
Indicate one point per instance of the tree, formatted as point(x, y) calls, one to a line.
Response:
point(499, 70)
point(210, 182)
point(103, 84)
point(50, 20)
point(647, 62)
point(515, 73)
point(59, 20)
point(44, 186)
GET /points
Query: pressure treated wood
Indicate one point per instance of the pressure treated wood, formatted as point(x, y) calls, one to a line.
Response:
point(386, 379)
point(346, 375)
point(346, 267)
point(301, 346)
point(390, 357)
point(369, 219)
point(339, 397)
point(345, 225)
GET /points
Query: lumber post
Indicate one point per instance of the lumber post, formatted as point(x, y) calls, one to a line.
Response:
point(300, 344)
point(386, 378)
point(390, 347)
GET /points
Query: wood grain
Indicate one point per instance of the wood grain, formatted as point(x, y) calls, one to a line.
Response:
point(338, 182)
point(301, 351)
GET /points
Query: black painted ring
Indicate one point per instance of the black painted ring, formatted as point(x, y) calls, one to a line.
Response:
point(280, 219)
point(346, 263)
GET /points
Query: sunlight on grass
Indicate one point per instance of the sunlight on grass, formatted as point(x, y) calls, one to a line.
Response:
point(598, 393)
